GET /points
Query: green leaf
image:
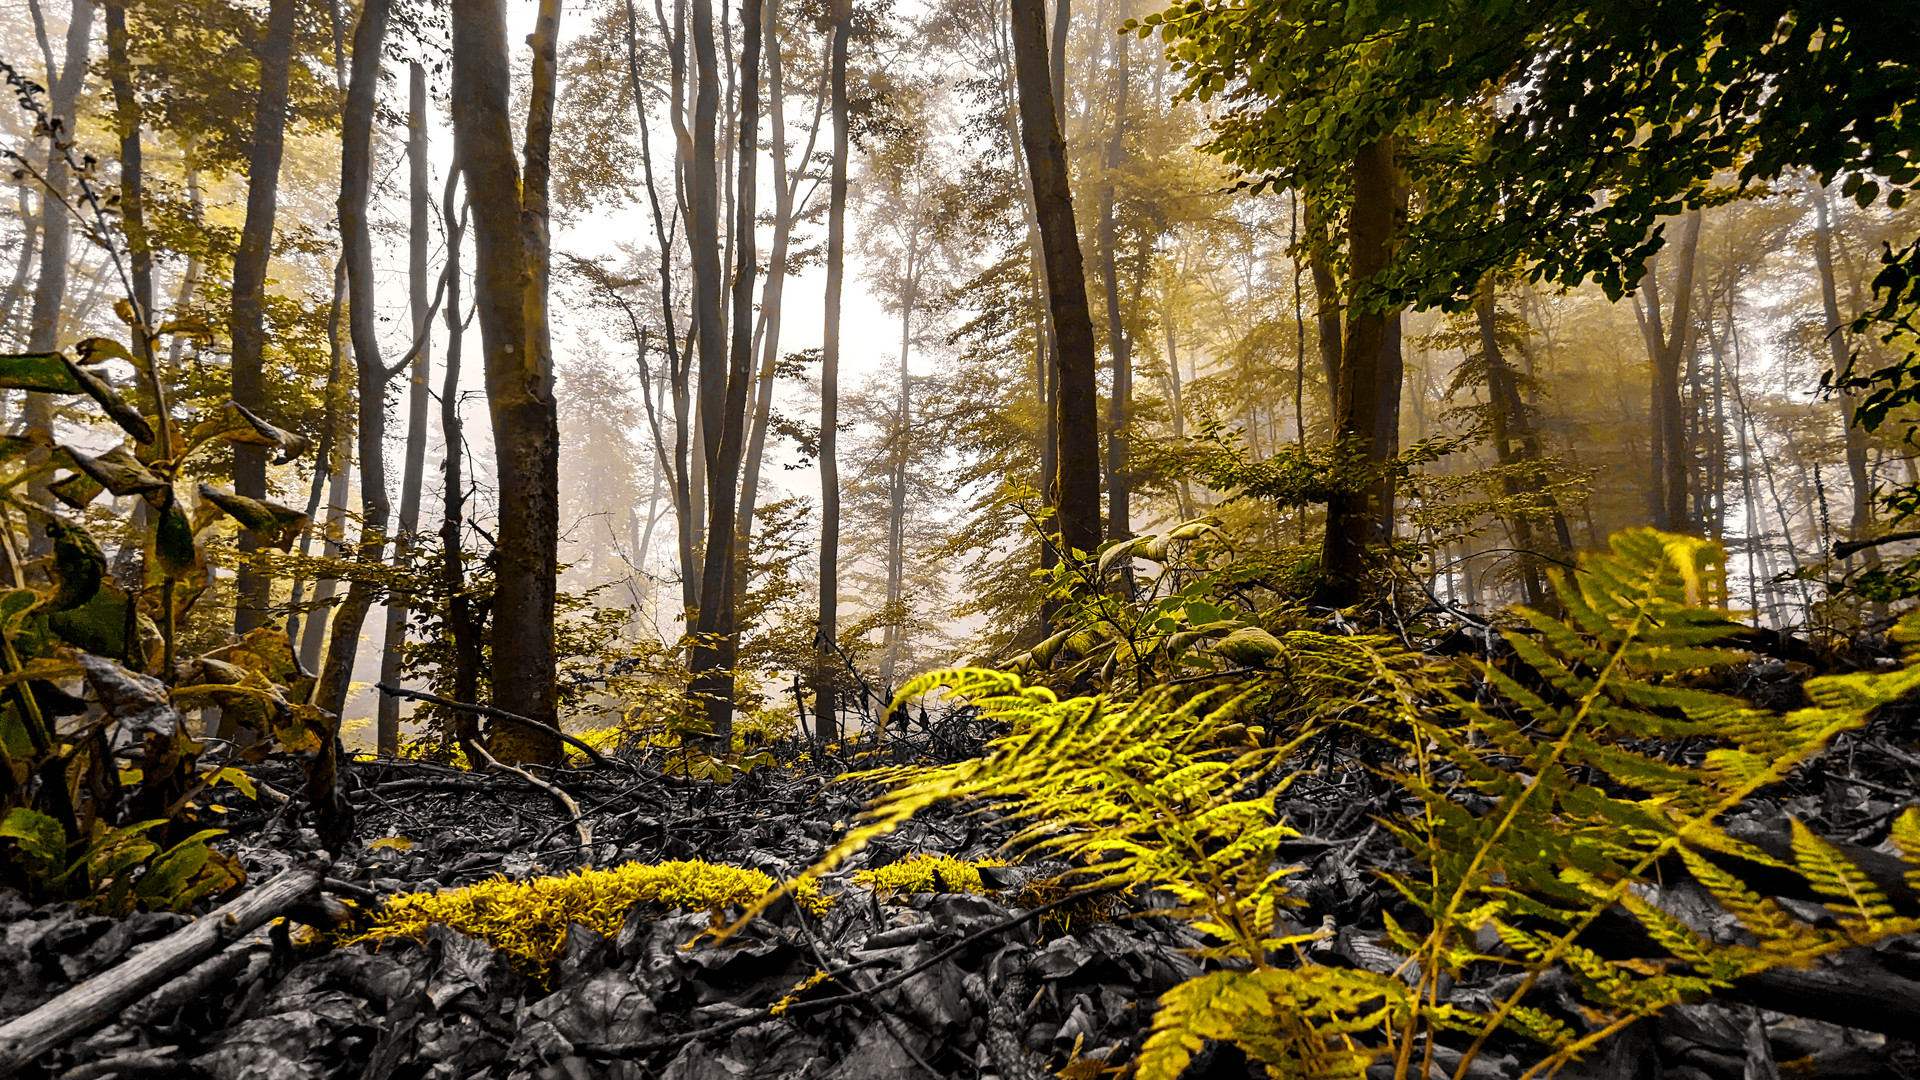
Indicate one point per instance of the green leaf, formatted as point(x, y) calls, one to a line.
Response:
point(94, 350)
point(173, 546)
point(77, 567)
point(237, 424)
point(100, 390)
point(119, 471)
point(48, 373)
point(78, 490)
point(39, 836)
point(274, 524)
point(99, 626)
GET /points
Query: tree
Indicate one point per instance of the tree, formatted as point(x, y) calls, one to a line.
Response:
point(250, 281)
point(1077, 481)
point(509, 207)
point(826, 674)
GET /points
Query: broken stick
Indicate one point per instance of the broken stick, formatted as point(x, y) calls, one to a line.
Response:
point(100, 999)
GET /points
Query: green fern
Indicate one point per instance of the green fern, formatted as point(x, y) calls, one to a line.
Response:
point(1570, 744)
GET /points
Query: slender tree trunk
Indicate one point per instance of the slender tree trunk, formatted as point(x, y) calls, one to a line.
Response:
point(1504, 419)
point(1119, 513)
point(56, 235)
point(356, 250)
point(1173, 395)
point(897, 477)
point(826, 669)
point(1860, 524)
point(1326, 295)
point(133, 219)
point(1668, 340)
point(724, 406)
point(1369, 378)
point(511, 291)
point(414, 470)
point(678, 358)
point(462, 622)
point(23, 261)
point(250, 289)
point(1078, 518)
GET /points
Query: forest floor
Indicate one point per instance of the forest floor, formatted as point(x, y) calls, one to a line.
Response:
point(928, 984)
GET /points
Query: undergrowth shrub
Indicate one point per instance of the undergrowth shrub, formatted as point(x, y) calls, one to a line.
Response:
point(1549, 791)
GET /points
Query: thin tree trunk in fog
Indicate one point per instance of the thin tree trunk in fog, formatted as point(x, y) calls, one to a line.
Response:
point(1504, 418)
point(1078, 518)
point(1669, 336)
point(897, 478)
point(785, 189)
point(56, 238)
point(1860, 524)
point(716, 647)
point(1119, 514)
point(826, 669)
point(248, 327)
point(1326, 295)
point(356, 250)
point(462, 621)
point(1173, 395)
point(677, 358)
point(23, 262)
point(133, 219)
point(414, 469)
point(510, 240)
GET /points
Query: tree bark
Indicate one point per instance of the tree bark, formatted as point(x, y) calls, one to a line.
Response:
point(248, 308)
point(1119, 524)
point(1369, 381)
point(1078, 483)
point(56, 239)
point(715, 648)
point(826, 668)
point(356, 250)
point(23, 261)
point(1860, 524)
point(133, 218)
point(510, 221)
point(1665, 350)
point(414, 470)
point(463, 629)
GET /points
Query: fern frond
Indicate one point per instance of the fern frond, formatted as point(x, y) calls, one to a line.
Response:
point(1840, 879)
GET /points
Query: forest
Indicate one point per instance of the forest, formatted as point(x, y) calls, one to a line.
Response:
point(959, 538)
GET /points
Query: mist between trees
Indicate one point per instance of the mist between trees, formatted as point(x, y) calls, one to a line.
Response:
point(710, 370)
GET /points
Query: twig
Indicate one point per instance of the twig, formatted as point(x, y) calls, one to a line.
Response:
point(1848, 548)
point(498, 714)
point(100, 999)
point(566, 800)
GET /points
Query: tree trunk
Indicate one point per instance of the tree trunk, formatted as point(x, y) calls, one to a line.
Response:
point(1860, 524)
point(897, 476)
point(1326, 296)
point(826, 669)
point(56, 238)
point(1173, 394)
point(248, 307)
point(1665, 350)
point(1119, 515)
point(1078, 483)
point(23, 261)
point(356, 250)
point(414, 469)
point(1369, 378)
point(726, 413)
point(511, 292)
point(133, 219)
point(463, 628)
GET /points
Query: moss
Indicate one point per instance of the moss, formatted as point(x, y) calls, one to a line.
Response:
point(528, 919)
point(925, 873)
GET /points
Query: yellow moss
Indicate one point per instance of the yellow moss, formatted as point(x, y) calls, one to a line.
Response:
point(925, 873)
point(528, 919)
point(1067, 918)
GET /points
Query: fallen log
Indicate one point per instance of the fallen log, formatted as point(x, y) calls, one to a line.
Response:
point(103, 997)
